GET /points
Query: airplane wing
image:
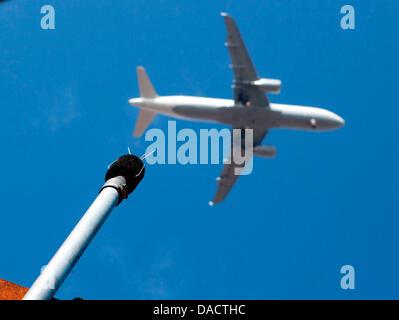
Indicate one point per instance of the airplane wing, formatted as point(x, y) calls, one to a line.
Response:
point(244, 94)
point(228, 177)
point(243, 68)
point(226, 181)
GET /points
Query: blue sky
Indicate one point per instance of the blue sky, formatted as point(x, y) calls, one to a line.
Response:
point(327, 200)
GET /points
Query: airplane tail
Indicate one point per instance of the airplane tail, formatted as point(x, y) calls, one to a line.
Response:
point(146, 91)
point(145, 85)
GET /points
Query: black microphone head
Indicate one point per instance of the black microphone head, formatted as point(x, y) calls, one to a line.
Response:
point(131, 168)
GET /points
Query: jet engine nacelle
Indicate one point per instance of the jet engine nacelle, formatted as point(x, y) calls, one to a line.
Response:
point(268, 85)
point(265, 151)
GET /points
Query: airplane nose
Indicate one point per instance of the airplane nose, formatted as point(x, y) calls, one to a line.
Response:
point(338, 121)
point(329, 121)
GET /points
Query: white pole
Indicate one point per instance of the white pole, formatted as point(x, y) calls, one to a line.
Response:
point(122, 178)
point(54, 274)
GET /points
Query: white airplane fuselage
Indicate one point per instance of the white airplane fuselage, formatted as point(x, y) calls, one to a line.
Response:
point(225, 111)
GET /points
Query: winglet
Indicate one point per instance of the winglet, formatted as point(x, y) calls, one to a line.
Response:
point(227, 18)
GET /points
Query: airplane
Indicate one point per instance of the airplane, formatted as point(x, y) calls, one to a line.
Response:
point(250, 107)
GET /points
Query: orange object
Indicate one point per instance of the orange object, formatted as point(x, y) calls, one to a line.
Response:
point(11, 291)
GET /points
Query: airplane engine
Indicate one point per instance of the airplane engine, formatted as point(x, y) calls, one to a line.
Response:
point(268, 85)
point(265, 151)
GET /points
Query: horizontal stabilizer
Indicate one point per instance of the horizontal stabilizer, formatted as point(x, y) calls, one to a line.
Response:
point(145, 85)
point(144, 119)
